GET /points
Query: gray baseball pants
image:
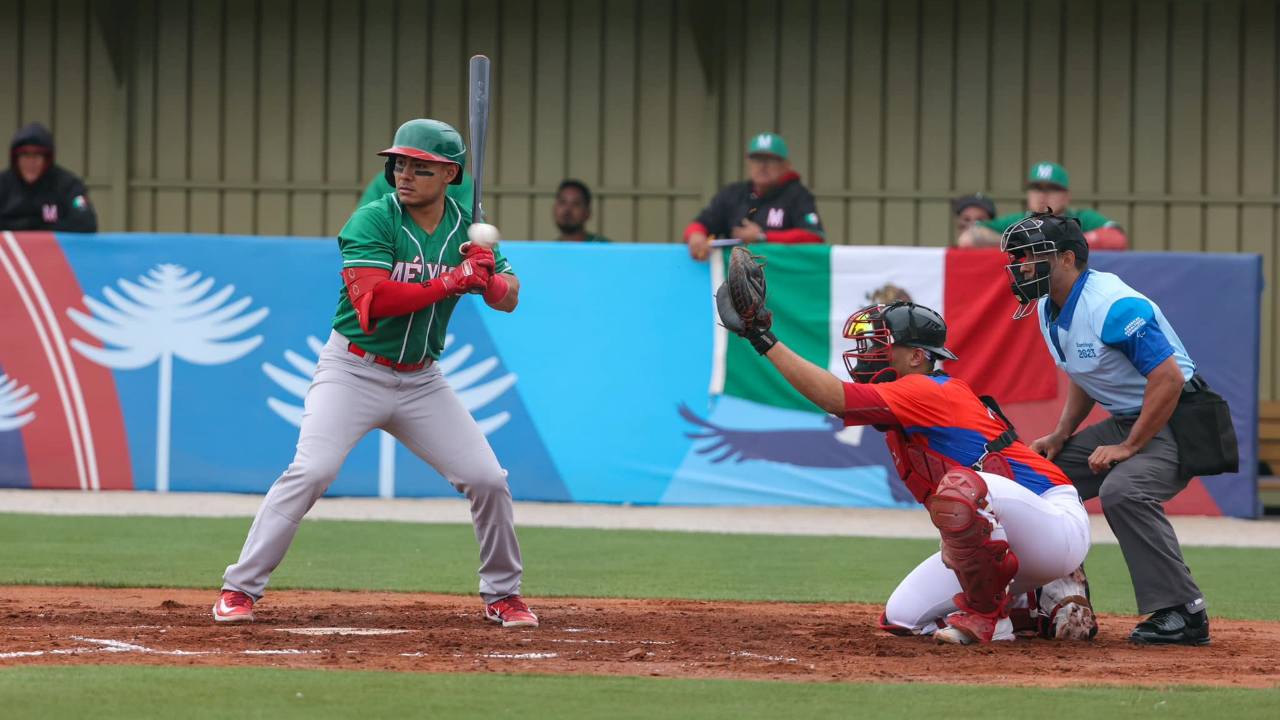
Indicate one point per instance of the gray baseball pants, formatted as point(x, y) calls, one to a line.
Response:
point(351, 396)
point(1131, 494)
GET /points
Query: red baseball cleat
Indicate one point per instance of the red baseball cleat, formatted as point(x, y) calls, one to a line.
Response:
point(233, 607)
point(511, 611)
point(968, 628)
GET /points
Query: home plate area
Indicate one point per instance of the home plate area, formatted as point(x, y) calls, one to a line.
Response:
point(672, 638)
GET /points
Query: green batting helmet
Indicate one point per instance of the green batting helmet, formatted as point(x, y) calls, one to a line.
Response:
point(424, 139)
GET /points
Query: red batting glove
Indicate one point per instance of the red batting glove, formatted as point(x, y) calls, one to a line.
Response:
point(481, 257)
point(497, 290)
point(468, 276)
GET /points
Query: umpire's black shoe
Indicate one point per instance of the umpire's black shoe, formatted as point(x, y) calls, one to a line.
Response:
point(1172, 626)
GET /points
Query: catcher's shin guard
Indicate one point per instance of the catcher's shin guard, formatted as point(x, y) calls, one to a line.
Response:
point(983, 566)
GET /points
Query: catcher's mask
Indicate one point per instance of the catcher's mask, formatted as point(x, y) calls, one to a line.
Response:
point(1035, 242)
point(875, 329)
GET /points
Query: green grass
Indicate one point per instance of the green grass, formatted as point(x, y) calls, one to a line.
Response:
point(347, 555)
point(105, 692)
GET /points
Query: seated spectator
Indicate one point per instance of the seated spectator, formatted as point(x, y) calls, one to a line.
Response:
point(970, 209)
point(379, 186)
point(1048, 187)
point(772, 206)
point(572, 211)
point(36, 194)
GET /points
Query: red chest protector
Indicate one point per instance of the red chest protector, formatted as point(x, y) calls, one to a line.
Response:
point(921, 468)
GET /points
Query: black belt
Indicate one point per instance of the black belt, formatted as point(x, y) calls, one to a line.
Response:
point(1195, 384)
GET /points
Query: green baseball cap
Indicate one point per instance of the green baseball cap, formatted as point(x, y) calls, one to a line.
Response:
point(767, 143)
point(1049, 173)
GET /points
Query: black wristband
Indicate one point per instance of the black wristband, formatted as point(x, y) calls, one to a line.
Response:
point(762, 341)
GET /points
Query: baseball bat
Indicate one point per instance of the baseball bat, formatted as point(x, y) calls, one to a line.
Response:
point(478, 109)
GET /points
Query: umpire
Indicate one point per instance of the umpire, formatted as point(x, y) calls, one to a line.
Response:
point(1166, 425)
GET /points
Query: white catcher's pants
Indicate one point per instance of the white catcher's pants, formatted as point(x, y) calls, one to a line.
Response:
point(1049, 533)
point(349, 397)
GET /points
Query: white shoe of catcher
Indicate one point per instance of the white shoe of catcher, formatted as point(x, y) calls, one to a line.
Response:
point(956, 636)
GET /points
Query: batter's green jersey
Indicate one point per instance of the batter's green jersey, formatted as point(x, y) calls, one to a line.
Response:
point(1089, 218)
point(381, 235)
point(463, 192)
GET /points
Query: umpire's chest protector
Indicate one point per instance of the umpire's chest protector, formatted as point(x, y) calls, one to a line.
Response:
point(1108, 337)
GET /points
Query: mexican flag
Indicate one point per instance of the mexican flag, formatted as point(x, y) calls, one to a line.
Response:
point(813, 289)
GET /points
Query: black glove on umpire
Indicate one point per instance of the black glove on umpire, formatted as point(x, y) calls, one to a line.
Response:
point(740, 301)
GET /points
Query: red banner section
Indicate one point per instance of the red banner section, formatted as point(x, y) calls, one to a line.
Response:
point(77, 441)
point(998, 356)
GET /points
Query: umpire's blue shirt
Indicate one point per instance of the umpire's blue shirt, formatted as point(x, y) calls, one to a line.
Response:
point(1108, 337)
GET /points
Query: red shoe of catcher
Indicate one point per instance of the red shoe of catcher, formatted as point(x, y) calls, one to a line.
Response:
point(511, 611)
point(233, 607)
point(967, 628)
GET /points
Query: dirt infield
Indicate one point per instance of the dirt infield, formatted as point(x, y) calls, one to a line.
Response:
point(670, 638)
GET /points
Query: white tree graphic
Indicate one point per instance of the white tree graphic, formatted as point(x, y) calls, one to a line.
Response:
point(169, 312)
point(14, 401)
point(464, 381)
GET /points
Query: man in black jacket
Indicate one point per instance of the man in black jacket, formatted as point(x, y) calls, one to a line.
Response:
point(770, 207)
point(36, 194)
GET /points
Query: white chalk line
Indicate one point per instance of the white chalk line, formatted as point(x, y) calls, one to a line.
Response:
point(105, 645)
point(121, 646)
point(772, 658)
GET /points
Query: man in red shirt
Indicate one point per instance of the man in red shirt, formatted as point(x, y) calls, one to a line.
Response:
point(1010, 521)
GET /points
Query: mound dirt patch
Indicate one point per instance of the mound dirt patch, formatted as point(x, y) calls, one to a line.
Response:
point(670, 638)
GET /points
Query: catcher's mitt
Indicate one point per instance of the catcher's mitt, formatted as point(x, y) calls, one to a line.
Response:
point(740, 301)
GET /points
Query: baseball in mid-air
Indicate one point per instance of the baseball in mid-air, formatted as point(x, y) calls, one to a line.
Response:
point(484, 235)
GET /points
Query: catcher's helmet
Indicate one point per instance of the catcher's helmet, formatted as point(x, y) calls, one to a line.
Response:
point(876, 328)
point(1033, 241)
point(424, 139)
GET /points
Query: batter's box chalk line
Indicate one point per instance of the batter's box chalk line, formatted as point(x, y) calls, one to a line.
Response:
point(772, 658)
point(121, 646)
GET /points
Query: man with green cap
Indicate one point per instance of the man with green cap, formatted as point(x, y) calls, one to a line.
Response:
point(771, 206)
point(404, 268)
point(1048, 190)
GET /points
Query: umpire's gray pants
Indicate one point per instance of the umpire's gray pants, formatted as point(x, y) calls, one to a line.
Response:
point(350, 396)
point(1131, 494)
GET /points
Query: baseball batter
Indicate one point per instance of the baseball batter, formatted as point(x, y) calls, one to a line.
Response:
point(404, 268)
point(1010, 521)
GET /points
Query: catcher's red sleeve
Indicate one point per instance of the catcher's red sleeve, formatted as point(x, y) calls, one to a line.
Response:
point(864, 406)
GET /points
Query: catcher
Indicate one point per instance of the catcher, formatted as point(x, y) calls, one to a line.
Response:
point(1014, 532)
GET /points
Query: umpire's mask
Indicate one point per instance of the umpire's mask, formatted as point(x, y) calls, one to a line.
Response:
point(1035, 241)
